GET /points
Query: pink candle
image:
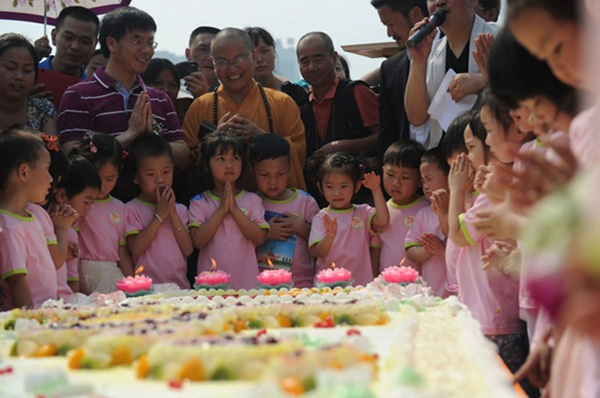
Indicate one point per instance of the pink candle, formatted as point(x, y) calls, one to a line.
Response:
point(399, 274)
point(333, 275)
point(134, 284)
point(275, 277)
point(213, 278)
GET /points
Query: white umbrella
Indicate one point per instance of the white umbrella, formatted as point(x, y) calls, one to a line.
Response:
point(46, 11)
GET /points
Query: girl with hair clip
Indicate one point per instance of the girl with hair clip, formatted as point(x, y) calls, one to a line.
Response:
point(27, 271)
point(79, 188)
point(55, 219)
point(341, 232)
point(102, 246)
point(227, 223)
point(155, 229)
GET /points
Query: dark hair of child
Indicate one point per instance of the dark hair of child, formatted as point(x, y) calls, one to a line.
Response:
point(480, 133)
point(343, 163)
point(404, 153)
point(143, 147)
point(268, 146)
point(434, 156)
point(219, 143)
point(81, 175)
point(59, 163)
point(101, 149)
point(18, 147)
point(454, 140)
point(563, 10)
point(522, 76)
point(499, 111)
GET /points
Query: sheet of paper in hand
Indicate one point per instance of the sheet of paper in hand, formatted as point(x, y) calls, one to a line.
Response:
point(443, 108)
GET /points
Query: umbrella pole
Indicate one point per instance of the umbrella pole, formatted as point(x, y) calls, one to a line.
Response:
point(45, 18)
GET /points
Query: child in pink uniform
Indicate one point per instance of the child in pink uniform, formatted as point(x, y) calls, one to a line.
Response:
point(452, 145)
point(490, 295)
point(156, 226)
point(78, 188)
point(425, 242)
point(341, 232)
point(27, 272)
point(401, 180)
point(227, 223)
point(103, 250)
point(291, 210)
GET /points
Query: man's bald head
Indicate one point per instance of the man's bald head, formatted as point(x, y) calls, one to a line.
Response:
point(229, 34)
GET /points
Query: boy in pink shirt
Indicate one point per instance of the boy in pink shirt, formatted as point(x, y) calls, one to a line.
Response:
point(78, 189)
point(27, 272)
point(227, 223)
point(452, 145)
point(162, 260)
point(156, 226)
point(341, 232)
point(425, 242)
point(289, 211)
point(401, 180)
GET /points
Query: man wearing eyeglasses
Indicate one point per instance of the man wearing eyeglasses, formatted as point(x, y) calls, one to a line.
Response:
point(241, 106)
point(115, 100)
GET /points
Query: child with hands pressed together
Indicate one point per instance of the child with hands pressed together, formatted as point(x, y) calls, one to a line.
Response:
point(491, 296)
point(425, 242)
point(341, 232)
point(227, 223)
point(401, 180)
point(289, 211)
point(78, 189)
point(27, 271)
point(156, 230)
point(103, 249)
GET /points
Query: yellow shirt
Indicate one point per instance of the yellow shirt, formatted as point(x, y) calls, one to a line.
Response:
point(286, 121)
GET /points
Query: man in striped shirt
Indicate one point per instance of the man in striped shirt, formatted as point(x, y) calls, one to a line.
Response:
point(115, 100)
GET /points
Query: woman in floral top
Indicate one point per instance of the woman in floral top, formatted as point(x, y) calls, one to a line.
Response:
point(18, 70)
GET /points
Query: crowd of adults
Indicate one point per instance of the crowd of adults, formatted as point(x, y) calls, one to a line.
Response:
point(229, 82)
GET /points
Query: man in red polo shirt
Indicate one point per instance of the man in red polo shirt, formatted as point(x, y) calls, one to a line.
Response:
point(342, 115)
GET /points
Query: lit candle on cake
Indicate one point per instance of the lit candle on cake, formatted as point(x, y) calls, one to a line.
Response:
point(274, 278)
point(138, 284)
point(212, 279)
point(334, 276)
point(399, 274)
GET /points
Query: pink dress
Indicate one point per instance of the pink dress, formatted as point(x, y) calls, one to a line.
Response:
point(433, 270)
point(68, 272)
point(350, 248)
point(24, 250)
point(102, 231)
point(392, 236)
point(163, 261)
point(492, 297)
point(303, 206)
point(233, 252)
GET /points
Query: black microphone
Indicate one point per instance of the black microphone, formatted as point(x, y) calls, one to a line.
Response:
point(436, 20)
